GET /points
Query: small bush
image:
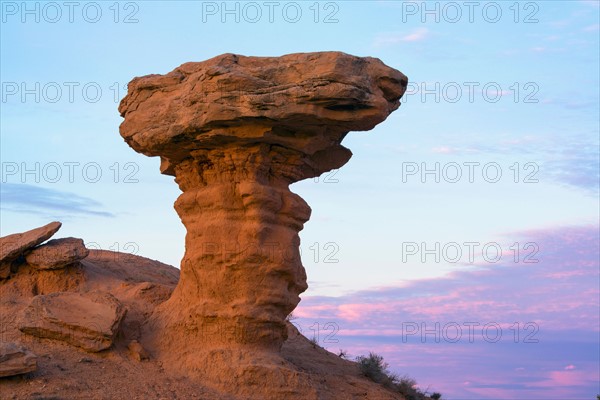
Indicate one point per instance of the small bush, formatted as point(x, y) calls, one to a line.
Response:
point(343, 354)
point(375, 368)
point(407, 387)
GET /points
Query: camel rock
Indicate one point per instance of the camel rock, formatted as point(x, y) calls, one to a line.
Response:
point(235, 132)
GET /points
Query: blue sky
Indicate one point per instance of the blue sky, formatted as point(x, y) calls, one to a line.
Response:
point(501, 87)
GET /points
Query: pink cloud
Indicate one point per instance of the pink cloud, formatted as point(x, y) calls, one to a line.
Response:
point(568, 377)
point(311, 311)
point(357, 312)
point(554, 301)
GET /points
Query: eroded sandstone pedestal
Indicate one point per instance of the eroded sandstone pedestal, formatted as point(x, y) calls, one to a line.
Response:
point(235, 132)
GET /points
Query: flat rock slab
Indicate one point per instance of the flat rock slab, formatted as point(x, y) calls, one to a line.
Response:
point(16, 360)
point(13, 246)
point(57, 254)
point(87, 320)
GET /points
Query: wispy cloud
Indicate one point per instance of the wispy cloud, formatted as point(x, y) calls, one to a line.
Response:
point(387, 39)
point(31, 199)
point(443, 150)
point(577, 165)
point(416, 36)
point(564, 160)
point(593, 3)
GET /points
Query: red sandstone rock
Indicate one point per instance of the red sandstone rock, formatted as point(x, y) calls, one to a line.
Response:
point(16, 360)
point(141, 284)
point(235, 132)
point(13, 246)
point(57, 254)
point(87, 320)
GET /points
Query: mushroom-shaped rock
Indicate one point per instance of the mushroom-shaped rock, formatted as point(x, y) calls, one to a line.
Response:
point(296, 108)
point(235, 132)
point(57, 254)
point(13, 246)
point(87, 320)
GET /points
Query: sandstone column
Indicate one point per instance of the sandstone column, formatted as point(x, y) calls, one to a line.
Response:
point(235, 132)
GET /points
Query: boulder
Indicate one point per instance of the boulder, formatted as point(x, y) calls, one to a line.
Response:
point(13, 246)
point(16, 360)
point(57, 254)
point(87, 320)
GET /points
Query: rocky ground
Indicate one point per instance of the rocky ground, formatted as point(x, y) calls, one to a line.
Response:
point(75, 331)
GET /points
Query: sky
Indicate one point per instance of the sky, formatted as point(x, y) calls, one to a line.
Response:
point(461, 240)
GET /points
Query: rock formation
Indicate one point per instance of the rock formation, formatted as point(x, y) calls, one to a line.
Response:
point(24, 249)
point(57, 253)
point(12, 247)
point(16, 360)
point(90, 321)
point(235, 132)
point(128, 369)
